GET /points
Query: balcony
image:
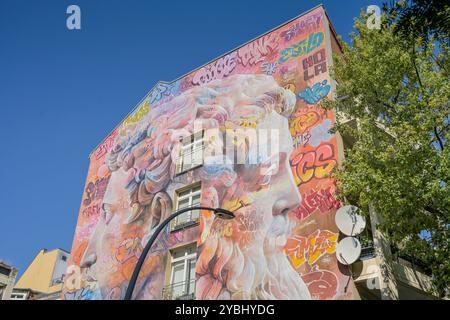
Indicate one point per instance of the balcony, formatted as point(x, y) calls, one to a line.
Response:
point(367, 252)
point(180, 291)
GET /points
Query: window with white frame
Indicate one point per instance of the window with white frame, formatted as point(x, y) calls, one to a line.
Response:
point(19, 296)
point(182, 274)
point(187, 197)
point(191, 153)
point(2, 289)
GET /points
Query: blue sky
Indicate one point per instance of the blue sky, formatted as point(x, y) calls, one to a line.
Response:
point(62, 92)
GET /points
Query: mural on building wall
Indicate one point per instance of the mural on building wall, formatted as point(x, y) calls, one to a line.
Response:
point(281, 244)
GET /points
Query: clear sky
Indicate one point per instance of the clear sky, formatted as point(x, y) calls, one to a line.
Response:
point(62, 91)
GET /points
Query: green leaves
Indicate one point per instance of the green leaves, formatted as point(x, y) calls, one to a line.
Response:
point(398, 91)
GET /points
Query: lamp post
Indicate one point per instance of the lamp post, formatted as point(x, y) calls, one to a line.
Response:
point(219, 212)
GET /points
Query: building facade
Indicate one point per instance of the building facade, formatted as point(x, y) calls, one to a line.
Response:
point(246, 133)
point(44, 277)
point(24, 294)
point(7, 278)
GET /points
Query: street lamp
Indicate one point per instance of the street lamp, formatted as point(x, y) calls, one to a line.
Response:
point(219, 212)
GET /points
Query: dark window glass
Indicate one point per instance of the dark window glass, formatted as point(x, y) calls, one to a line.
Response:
point(5, 271)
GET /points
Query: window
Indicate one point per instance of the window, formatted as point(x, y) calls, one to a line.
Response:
point(366, 240)
point(187, 198)
point(19, 296)
point(182, 274)
point(5, 271)
point(191, 153)
point(58, 280)
point(63, 258)
point(2, 289)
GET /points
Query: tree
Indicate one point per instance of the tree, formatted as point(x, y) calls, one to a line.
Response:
point(421, 18)
point(398, 91)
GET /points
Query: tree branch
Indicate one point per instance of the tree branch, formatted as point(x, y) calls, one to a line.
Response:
point(415, 67)
point(441, 144)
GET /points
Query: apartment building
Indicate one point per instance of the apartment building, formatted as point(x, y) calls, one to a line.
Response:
point(44, 277)
point(7, 278)
point(246, 133)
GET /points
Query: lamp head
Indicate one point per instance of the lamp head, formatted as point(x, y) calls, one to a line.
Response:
point(223, 214)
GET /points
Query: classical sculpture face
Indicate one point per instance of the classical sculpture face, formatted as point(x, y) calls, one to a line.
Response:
point(241, 258)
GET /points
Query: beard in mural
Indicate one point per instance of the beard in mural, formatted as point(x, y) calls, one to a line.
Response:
point(238, 259)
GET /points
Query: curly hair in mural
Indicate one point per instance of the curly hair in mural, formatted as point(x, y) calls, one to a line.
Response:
point(241, 258)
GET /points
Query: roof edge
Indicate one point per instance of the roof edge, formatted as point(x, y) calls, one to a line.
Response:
point(205, 64)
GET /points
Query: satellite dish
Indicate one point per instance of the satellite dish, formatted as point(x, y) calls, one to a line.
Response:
point(348, 250)
point(348, 221)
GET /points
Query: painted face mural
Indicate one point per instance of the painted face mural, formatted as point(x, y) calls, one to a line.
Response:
point(267, 157)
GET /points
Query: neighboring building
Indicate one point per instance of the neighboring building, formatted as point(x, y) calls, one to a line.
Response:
point(7, 278)
point(246, 133)
point(24, 294)
point(44, 277)
point(379, 274)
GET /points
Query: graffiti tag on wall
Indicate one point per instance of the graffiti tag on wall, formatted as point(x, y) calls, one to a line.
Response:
point(312, 95)
point(302, 47)
point(257, 50)
point(314, 65)
point(104, 148)
point(318, 163)
point(310, 249)
point(304, 25)
point(216, 70)
point(322, 200)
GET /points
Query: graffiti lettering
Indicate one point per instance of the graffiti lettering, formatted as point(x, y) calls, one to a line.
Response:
point(312, 95)
point(305, 25)
point(91, 211)
point(136, 116)
point(249, 222)
point(217, 70)
point(222, 230)
point(310, 249)
point(302, 47)
point(313, 164)
point(82, 294)
point(316, 61)
point(95, 191)
point(302, 139)
point(269, 68)
point(322, 284)
point(255, 52)
point(322, 200)
point(162, 90)
point(302, 122)
point(104, 148)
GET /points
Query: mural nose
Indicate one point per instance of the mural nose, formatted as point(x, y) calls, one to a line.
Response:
point(88, 260)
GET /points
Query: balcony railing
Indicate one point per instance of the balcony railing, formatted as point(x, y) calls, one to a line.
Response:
point(180, 291)
point(409, 261)
point(367, 253)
